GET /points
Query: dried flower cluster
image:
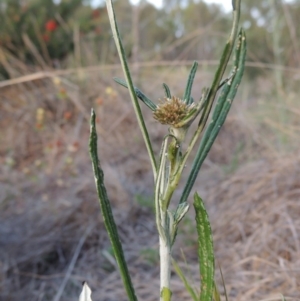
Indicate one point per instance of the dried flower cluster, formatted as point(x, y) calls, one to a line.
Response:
point(172, 111)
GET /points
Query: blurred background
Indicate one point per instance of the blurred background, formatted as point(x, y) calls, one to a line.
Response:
point(57, 61)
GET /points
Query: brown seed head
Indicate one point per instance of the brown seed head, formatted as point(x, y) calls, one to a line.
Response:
point(172, 111)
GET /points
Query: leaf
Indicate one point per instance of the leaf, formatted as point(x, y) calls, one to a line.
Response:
point(179, 214)
point(205, 250)
point(106, 211)
point(219, 115)
point(226, 97)
point(185, 281)
point(85, 293)
point(189, 84)
point(147, 101)
point(167, 91)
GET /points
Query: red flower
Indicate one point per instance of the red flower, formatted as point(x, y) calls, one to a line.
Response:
point(51, 25)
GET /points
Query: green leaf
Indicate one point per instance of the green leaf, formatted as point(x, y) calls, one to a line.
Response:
point(219, 115)
point(167, 91)
point(106, 211)
point(223, 63)
point(205, 250)
point(185, 281)
point(179, 214)
point(147, 101)
point(227, 91)
point(189, 84)
point(226, 98)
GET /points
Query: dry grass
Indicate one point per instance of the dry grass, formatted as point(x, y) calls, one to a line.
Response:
point(51, 235)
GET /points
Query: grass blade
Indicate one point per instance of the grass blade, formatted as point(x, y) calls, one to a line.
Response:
point(136, 106)
point(106, 211)
point(205, 250)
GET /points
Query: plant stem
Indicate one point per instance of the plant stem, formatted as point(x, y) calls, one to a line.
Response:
point(165, 265)
point(132, 93)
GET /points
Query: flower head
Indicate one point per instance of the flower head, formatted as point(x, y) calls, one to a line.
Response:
point(173, 111)
point(51, 25)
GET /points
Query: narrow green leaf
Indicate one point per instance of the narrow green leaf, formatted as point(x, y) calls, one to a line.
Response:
point(147, 101)
point(217, 296)
point(166, 294)
point(219, 115)
point(106, 211)
point(179, 214)
point(205, 250)
point(179, 272)
point(225, 91)
point(136, 106)
point(167, 91)
point(223, 62)
point(189, 84)
point(225, 99)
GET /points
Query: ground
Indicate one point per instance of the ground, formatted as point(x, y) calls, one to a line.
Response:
point(52, 235)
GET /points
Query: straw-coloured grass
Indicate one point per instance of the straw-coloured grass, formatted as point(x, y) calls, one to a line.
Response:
point(51, 234)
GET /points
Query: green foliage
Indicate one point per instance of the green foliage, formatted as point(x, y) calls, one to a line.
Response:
point(33, 29)
point(107, 212)
point(205, 250)
point(220, 111)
